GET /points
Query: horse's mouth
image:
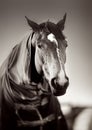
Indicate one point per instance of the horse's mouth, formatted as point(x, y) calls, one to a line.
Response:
point(59, 91)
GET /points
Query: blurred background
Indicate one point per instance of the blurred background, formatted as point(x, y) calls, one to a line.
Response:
point(78, 30)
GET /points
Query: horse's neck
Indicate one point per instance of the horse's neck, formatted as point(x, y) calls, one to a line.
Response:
point(19, 71)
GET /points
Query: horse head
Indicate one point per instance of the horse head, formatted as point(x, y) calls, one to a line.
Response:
point(50, 53)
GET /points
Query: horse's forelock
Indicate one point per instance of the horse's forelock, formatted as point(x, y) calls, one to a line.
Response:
point(52, 28)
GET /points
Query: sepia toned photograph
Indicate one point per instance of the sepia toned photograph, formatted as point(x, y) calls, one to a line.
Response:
point(45, 65)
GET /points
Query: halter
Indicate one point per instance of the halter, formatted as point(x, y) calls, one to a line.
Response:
point(33, 107)
point(41, 122)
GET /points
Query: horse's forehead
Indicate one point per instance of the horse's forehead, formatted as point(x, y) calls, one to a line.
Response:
point(52, 38)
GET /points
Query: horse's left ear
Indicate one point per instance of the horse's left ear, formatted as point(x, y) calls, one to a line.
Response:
point(61, 23)
point(32, 24)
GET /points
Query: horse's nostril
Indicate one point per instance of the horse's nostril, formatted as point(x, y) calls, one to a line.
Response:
point(67, 78)
point(53, 82)
point(57, 85)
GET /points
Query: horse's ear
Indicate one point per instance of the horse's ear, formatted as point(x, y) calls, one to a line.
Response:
point(61, 23)
point(32, 24)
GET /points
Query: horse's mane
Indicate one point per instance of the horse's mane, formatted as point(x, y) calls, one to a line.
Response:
point(12, 91)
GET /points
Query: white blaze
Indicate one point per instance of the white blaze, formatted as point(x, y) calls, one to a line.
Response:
point(52, 38)
point(61, 74)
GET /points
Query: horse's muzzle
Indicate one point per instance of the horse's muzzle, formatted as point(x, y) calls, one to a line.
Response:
point(59, 89)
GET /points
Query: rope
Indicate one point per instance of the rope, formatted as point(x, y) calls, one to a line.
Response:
point(36, 123)
point(41, 122)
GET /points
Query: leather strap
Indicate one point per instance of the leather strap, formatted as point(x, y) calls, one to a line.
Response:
point(36, 123)
point(30, 106)
point(42, 121)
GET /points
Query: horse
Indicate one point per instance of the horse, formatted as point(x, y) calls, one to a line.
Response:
point(32, 77)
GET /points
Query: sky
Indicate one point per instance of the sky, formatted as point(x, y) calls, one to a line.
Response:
point(78, 30)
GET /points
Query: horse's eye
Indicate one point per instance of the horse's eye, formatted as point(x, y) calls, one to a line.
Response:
point(39, 45)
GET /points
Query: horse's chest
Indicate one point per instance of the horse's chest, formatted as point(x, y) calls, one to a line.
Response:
point(32, 117)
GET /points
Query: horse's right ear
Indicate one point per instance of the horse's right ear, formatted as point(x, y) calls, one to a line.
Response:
point(32, 24)
point(61, 23)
